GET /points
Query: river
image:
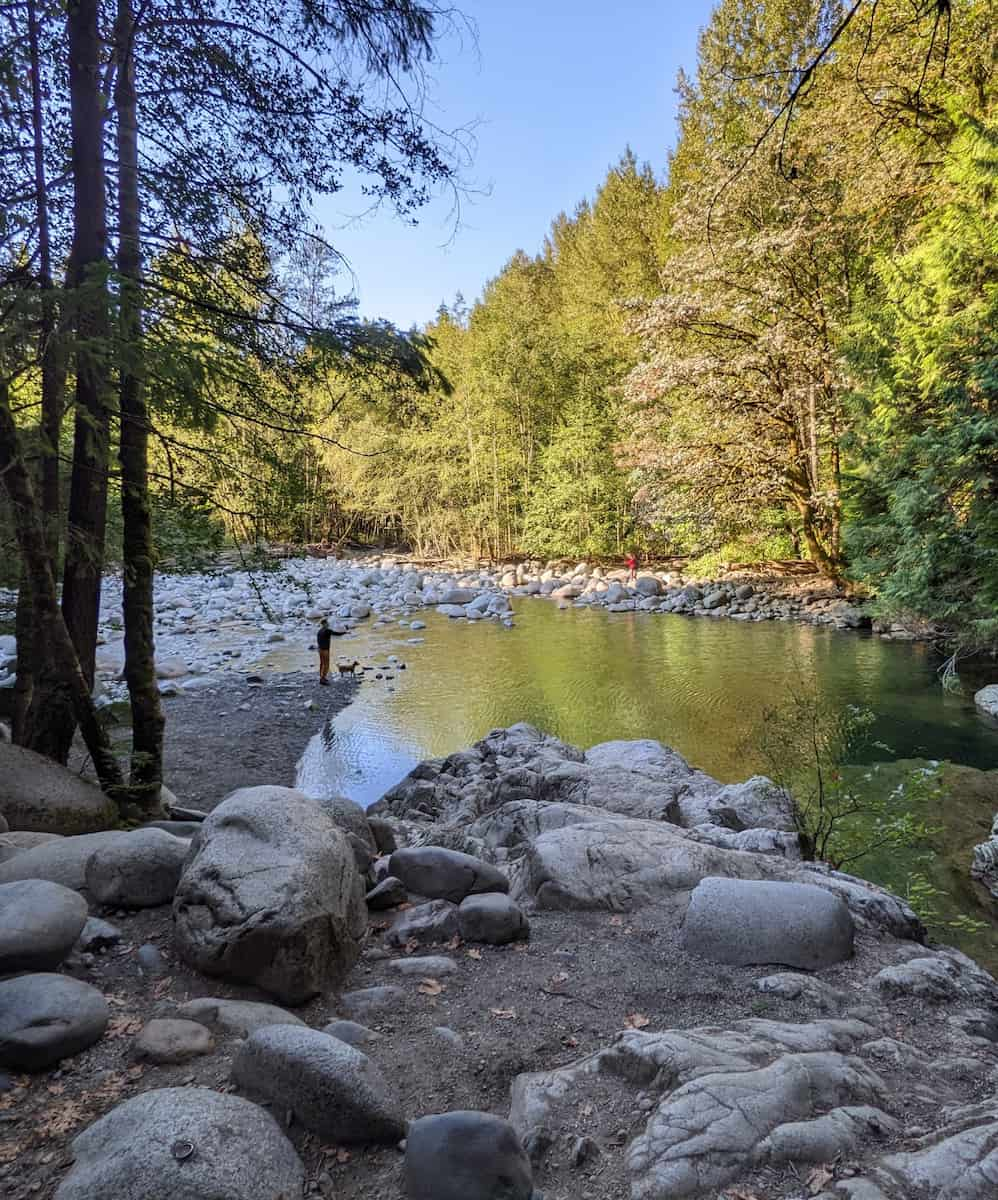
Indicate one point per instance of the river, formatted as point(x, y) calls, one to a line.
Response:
point(699, 685)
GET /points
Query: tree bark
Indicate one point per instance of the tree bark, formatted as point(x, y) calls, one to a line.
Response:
point(34, 657)
point(31, 541)
point(53, 723)
point(146, 775)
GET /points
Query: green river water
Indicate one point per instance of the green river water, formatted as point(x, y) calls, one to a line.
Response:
point(699, 685)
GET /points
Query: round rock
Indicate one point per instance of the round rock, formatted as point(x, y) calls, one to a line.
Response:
point(747, 922)
point(184, 1144)
point(39, 924)
point(39, 795)
point(62, 860)
point(166, 1042)
point(491, 918)
point(141, 870)
point(466, 1156)
point(238, 1017)
point(351, 1032)
point(442, 874)
point(44, 1018)
point(331, 1087)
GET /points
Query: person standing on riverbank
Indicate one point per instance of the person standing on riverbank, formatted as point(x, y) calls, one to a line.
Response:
point(632, 566)
point(322, 640)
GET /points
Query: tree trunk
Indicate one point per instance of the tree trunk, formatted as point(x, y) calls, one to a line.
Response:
point(53, 724)
point(31, 542)
point(140, 667)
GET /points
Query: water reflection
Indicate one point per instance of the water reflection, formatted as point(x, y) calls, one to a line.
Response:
point(696, 684)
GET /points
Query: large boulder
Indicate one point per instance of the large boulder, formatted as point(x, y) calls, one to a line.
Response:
point(63, 860)
point(747, 922)
point(271, 896)
point(44, 1018)
point(986, 699)
point(141, 870)
point(466, 1156)
point(184, 1144)
point(12, 844)
point(39, 924)
point(332, 1088)
point(39, 796)
point(442, 874)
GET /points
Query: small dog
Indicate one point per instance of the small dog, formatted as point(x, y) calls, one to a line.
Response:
point(347, 668)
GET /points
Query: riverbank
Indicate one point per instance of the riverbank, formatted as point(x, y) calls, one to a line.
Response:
point(600, 1036)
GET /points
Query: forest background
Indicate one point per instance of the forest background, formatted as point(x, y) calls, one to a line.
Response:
point(782, 341)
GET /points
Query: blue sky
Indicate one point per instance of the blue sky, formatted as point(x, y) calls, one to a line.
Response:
point(558, 90)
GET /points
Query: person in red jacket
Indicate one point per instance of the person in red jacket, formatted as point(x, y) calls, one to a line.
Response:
point(632, 566)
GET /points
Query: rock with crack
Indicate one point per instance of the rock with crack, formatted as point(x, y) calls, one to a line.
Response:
point(959, 1161)
point(271, 896)
point(941, 977)
point(426, 924)
point(190, 1143)
point(45, 1018)
point(331, 1087)
point(710, 1131)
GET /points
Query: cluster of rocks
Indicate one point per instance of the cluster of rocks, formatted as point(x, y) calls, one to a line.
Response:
point(279, 892)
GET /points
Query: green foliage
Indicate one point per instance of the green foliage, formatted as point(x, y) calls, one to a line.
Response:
point(927, 530)
point(807, 742)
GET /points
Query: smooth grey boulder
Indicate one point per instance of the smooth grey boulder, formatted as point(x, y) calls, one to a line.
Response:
point(39, 924)
point(466, 1156)
point(44, 1018)
point(647, 585)
point(331, 1087)
point(425, 924)
point(271, 896)
point(743, 922)
point(63, 860)
point(141, 870)
point(350, 817)
point(443, 874)
point(351, 1032)
point(758, 803)
point(168, 1041)
point(371, 1001)
point(40, 796)
point(986, 699)
point(12, 844)
point(389, 893)
point(492, 918)
point(238, 1017)
point(184, 1144)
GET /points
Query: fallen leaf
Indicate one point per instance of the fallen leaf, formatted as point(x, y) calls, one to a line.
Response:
point(586, 1110)
point(616, 920)
point(454, 943)
point(430, 987)
point(162, 986)
point(570, 1042)
point(403, 906)
point(56, 1089)
point(636, 1021)
point(342, 1156)
point(504, 1014)
point(123, 1026)
point(475, 954)
point(739, 1194)
point(521, 947)
point(411, 946)
point(818, 1178)
point(379, 926)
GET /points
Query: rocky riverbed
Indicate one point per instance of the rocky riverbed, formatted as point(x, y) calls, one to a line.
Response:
point(230, 620)
point(596, 974)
